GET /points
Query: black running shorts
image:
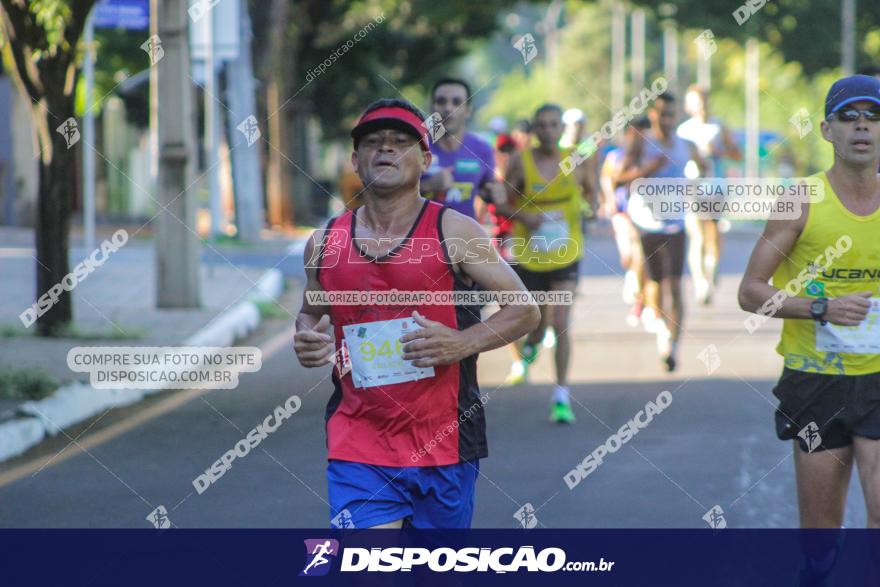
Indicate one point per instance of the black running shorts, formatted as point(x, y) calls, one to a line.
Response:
point(837, 407)
point(543, 280)
point(664, 254)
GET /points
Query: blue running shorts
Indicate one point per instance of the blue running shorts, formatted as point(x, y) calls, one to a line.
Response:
point(363, 495)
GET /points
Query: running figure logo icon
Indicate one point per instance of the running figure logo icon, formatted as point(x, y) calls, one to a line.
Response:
point(319, 554)
point(715, 518)
point(159, 518)
point(526, 516)
point(526, 45)
point(711, 358)
point(706, 45)
point(153, 48)
point(70, 131)
point(343, 519)
point(801, 121)
point(250, 129)
point(434, 124)
point(810, 435)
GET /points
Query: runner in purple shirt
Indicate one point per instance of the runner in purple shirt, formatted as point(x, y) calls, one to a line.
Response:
point(464, 164)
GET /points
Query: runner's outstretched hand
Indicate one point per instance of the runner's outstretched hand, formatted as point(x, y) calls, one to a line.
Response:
point(314, 346)
point(849, 310)
point(434, 344)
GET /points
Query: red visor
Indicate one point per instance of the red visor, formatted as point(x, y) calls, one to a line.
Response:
point(392, 117)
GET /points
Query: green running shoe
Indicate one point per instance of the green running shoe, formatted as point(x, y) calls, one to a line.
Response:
point(562, 413)
point(529, 353)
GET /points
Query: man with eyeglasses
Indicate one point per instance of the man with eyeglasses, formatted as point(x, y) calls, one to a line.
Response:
point(464, 164)
point(829, 391)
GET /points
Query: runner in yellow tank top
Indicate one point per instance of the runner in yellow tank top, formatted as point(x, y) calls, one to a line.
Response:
point(545, 205)
point(825, 267)
point(841, 252)
point(558, 241)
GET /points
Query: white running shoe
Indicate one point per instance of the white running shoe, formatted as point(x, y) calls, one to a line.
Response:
point(632, 320)
point(702, 291)
point(634, 316)
point(664, 340)
point(630, 287)
point(649, 320)
point(549, 340)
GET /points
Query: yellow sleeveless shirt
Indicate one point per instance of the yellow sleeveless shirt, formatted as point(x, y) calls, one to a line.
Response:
point(559, 241)
point(837, 254)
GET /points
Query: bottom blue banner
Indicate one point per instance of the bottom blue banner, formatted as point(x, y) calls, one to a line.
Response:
point(420, 557)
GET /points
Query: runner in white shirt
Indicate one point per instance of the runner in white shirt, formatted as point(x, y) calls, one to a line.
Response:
point(714, 143)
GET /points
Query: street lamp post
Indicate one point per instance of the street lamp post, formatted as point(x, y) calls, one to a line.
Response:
point(171, 114)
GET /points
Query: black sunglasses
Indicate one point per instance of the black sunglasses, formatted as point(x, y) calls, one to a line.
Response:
point(853, 114)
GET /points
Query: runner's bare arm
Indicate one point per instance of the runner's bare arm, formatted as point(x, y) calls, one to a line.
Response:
point(607, 184)
point(634, 168)
point(494, 192)
point(586, 173)
point(472, 253)
point(513, 184)
point(701, 162)
point(756, 295)
point(313, 341)
point(731, 149)
point(773, 246)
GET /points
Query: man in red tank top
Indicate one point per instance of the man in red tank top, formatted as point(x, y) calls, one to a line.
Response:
point(405, 425)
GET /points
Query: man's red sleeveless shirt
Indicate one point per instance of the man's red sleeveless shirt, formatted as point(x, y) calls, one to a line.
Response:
point(436, 420)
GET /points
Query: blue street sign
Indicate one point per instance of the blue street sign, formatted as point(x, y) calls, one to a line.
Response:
point(133, 15)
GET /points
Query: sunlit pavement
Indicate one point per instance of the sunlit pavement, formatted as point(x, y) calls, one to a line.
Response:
point(713, 445)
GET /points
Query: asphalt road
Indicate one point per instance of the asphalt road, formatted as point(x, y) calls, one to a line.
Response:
point(712, 446)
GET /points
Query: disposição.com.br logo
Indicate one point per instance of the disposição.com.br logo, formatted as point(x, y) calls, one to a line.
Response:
point(321, 552)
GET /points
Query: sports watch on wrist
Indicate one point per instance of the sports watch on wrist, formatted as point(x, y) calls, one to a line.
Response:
point(818, 308)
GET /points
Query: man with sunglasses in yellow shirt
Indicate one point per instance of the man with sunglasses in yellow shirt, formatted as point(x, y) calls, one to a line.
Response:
point(829, 391)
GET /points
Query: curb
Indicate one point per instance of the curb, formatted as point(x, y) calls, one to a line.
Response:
point(73, 403)
point(16, 436)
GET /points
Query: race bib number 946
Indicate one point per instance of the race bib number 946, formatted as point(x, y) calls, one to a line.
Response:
point(376, 353)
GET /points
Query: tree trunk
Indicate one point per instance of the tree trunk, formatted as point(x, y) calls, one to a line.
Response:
point(56, 174)
point(277, 175)
point(49, 83)
point(277, 87)
point(302, 184)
